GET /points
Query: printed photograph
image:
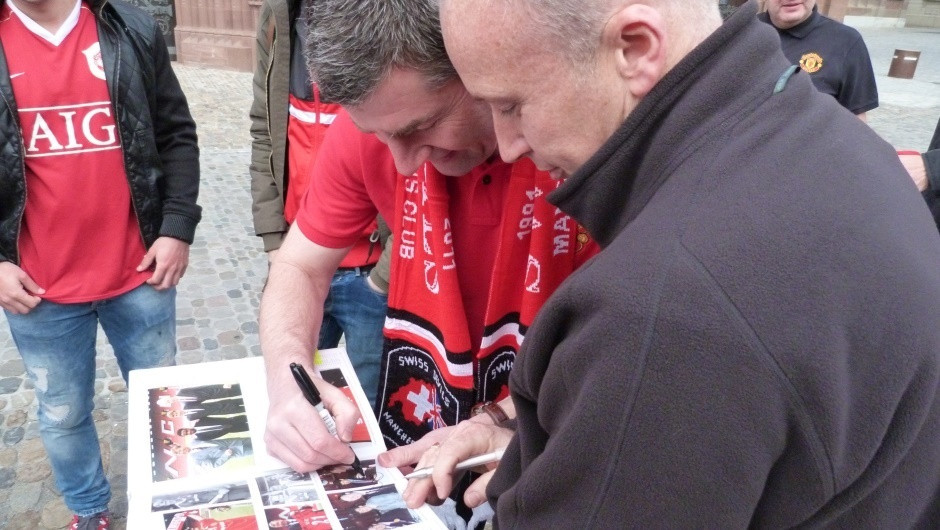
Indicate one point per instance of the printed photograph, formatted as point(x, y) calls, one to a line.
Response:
point(196, 430)
point(343, 476)
point(221, 494)
point(371, 508)
point(303, 517)
point(287, 487)
point(231, 517)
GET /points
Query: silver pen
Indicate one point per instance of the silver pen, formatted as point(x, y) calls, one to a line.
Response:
point(474, 461)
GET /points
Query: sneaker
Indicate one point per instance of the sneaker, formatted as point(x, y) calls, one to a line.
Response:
point(99, 521)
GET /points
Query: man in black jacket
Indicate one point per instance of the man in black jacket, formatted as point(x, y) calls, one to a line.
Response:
point(99, 175)
point(756, 345)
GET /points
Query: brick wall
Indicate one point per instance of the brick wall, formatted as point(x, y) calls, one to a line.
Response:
point(217, 33)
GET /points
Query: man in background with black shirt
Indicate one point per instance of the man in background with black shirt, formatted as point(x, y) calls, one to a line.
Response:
point(833, 54)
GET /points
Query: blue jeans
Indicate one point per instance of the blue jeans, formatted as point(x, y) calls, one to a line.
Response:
point(57, 344)
point(354, 308)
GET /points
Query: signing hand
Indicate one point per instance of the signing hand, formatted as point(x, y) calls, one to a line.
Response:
point(170, 257)
point(19, 294)
point(295, 433)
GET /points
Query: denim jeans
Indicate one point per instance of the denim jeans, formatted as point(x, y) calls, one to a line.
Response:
point(57, 344)
point(354, 308)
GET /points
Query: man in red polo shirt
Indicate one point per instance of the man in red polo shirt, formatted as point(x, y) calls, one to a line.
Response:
point(477, 248)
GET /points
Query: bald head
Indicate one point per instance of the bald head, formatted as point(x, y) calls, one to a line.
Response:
point(561, 76)
point(574, 27)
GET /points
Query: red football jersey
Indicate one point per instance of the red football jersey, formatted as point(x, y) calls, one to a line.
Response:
point(79, 238)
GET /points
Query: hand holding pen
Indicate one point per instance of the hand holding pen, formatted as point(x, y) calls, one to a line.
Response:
point(467, 445)
point(302, 445)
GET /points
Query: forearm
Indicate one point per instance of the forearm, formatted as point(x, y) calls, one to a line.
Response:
point(292, 304)
point(290, 324)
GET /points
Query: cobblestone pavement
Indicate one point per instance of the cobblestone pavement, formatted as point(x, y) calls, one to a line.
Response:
point(218, 297)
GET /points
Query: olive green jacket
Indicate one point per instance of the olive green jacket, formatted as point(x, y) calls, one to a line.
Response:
point(268, 115)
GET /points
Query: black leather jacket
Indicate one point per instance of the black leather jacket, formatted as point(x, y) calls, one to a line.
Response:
point(157, 132)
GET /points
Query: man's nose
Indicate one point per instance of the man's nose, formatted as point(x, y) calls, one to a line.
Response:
point(409, 156)
point(512, 144)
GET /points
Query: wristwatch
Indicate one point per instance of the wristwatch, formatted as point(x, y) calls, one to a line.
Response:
point(493, 410)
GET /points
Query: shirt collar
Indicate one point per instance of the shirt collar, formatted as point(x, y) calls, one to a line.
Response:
point(55, 38)
point(804, 28)
point(800, 30)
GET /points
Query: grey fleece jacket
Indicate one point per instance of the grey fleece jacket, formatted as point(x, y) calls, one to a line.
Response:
point(757, 345)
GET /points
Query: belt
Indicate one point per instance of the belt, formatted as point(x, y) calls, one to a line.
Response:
point(359, 270)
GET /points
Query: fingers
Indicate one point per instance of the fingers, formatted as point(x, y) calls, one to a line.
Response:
point(31, 286)
point(20, 304)
point(171, 257)
point(147, 261)
point(423, 490)
point(408, 455)
point(297, 436)
point(16, 288)
point(345, 412)
point(467, 439)
point(476, 493)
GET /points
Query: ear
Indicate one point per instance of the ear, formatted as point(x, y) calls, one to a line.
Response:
point(636, 36)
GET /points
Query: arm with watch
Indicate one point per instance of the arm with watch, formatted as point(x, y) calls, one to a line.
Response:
point(490, 428)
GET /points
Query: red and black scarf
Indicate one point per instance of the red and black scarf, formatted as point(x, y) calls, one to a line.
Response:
point(431, 374)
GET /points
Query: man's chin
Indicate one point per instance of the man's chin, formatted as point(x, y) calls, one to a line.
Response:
point(456, 166)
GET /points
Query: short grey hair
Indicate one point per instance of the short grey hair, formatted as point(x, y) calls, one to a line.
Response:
point(572, 25)
point(575, 26)
point(352, 45)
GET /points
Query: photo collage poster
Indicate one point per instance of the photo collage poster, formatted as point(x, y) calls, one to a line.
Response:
point(197, 459)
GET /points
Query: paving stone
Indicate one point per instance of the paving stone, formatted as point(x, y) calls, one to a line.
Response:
point(31, 451)
point(24, 496)
point(187, 343)
point(55, 515)
point(227, 338)
point(189, 357)
point(16, 418)
point(13, 436)
point(8, 456)
point(34, 471)
point(7, 477)
point(12, 368)
point(9, 385)
point(234, 352)
point(23, 399)
point(28, 520)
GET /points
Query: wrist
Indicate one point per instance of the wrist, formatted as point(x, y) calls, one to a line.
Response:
point(490, 412)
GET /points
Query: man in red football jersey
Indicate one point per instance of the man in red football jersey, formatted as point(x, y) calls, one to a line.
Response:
point(97, 211)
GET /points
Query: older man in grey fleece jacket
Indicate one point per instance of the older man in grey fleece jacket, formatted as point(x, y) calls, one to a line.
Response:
point(757, 345)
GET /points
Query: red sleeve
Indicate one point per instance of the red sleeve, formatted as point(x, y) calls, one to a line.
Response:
point(353, 179)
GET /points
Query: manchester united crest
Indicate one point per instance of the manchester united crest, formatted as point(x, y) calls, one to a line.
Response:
point(811, 62)
point(95, 64)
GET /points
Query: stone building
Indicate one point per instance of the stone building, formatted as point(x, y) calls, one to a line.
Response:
point(221, 33)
